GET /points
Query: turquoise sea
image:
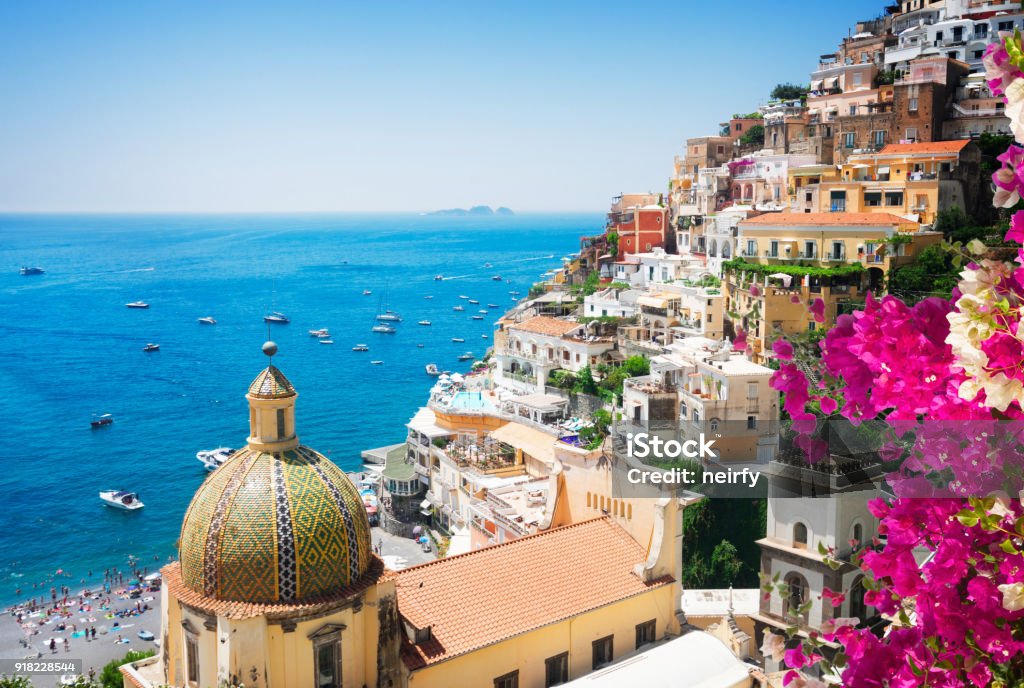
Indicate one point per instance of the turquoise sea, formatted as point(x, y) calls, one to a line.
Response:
point(69, 348)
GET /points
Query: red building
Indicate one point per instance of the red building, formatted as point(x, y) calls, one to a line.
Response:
point(641, 223)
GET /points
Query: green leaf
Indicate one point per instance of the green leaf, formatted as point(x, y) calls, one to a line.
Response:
point(1008, 547)
point(967, 518)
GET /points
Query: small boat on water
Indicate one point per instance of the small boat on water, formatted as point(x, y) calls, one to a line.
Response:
point(458, 308)
point(102, 421)
point(425, 323)
point(377, 362)
point(212, 458)
point(31, 271)
point(492, 305)
point(151, 347)
point(466, 356)
point(322, 332)
point(360, 347)
point(483, 336)
point(326, 340)
point(428, 296)
point(488, 266)
point(383, 329)
point(366, 292)
point(277, 317)
point(137, 304)
point(389, 316)
point(483, 312)
point(207, 321)
point(433, 370)
point(419, 346)
point(515, 293)
point(478, 317)
point(496, 278)
point(463, 297)
point(458, 339)
point(438, 278)
point(119, 499)
point(474, 302)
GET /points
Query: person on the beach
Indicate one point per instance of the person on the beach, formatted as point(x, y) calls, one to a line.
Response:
point(67, 645)
point(53, 645)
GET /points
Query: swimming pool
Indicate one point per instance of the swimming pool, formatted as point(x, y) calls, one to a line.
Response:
point(471, 401)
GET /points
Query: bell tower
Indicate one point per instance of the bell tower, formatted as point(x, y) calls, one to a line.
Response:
point(271, 409)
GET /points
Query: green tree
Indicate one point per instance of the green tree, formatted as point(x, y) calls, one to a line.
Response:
point(753, 136)
point(111, 677)
point(933, 273)
point(585, 383)
point(725, 564)
point(788, 91)
point(15, 682)
point(636, 366)
point(613, 243)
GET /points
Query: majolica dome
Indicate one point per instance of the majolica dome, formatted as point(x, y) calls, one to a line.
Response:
point(282, 526)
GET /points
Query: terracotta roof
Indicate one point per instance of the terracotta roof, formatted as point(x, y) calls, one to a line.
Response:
point(930, 147)
point(271, 384)
point(543, 324)
point(376, 573)
point(129, 676)
point(482, 597)
point(840, 219)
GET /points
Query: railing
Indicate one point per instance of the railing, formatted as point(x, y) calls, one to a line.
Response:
point(648, 385)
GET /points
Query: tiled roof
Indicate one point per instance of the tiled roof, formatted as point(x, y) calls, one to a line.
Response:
point(375, 573)
point(272, 528)
point(482, 597)
point(838, 219)
point(543, 324)
point(271, 384)
point(930, 147)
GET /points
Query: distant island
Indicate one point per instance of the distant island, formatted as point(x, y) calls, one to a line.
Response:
point(475, 210)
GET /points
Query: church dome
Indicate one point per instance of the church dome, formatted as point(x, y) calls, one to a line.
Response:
point(283, 527)
point(277, 522)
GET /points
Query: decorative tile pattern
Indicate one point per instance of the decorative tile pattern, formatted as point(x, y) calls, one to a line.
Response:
point(287, 583)
point(271, 384)
point(272, 529)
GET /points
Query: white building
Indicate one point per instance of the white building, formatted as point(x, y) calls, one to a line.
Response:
point(616, 303)
point(537, 346)
point(959, 29)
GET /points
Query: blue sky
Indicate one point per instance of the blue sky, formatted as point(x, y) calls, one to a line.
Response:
point(336, 106)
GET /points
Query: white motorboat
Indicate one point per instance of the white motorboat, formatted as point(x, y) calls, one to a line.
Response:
point(458, 308)
point(377, 362)
point(366, 292)
point(458, 339)
point(478, 317)
point(466, 356)
point(119, 499)
point(207, 321)
point(277, 317)
point(213, 458)
point(326, 340)
point(428, 296)
point(151, 347)
point(433, 370)
point(425, 323)
point(483, 312)
point(438, 278)
point(25, 270)
point(137, 304)
point(496, 278)
point(492, 305)
point(483, 336)
point(463, 297)
point(474, 302)
point(360, 347)
point(383, 329)
point(322, 332)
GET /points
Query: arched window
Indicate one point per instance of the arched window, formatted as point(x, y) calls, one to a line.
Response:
point(726, 250)
point(797, 593)
point(800, 536)
point(858, 609)
point(588, 500)
point(858, 536)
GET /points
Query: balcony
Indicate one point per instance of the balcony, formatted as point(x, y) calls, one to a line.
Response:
point(650, 384)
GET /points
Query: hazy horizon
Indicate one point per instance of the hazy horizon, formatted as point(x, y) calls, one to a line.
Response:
point(338, 108)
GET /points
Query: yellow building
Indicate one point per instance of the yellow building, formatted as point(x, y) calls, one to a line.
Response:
point(913, 180)
point(278, 586)
point(785, 261)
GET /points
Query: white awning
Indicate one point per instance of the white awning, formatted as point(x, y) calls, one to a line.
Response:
point(536, 443)
point(884, 169)
point(861, 166)
point(816, 85)
point(425, 504)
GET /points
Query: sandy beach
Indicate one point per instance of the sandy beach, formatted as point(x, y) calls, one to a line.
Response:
point(123, 618)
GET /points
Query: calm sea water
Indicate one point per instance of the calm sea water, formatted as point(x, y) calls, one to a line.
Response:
point(70, 349)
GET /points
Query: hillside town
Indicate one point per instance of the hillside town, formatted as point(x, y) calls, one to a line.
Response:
point(664, 321)
point(556, 564)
